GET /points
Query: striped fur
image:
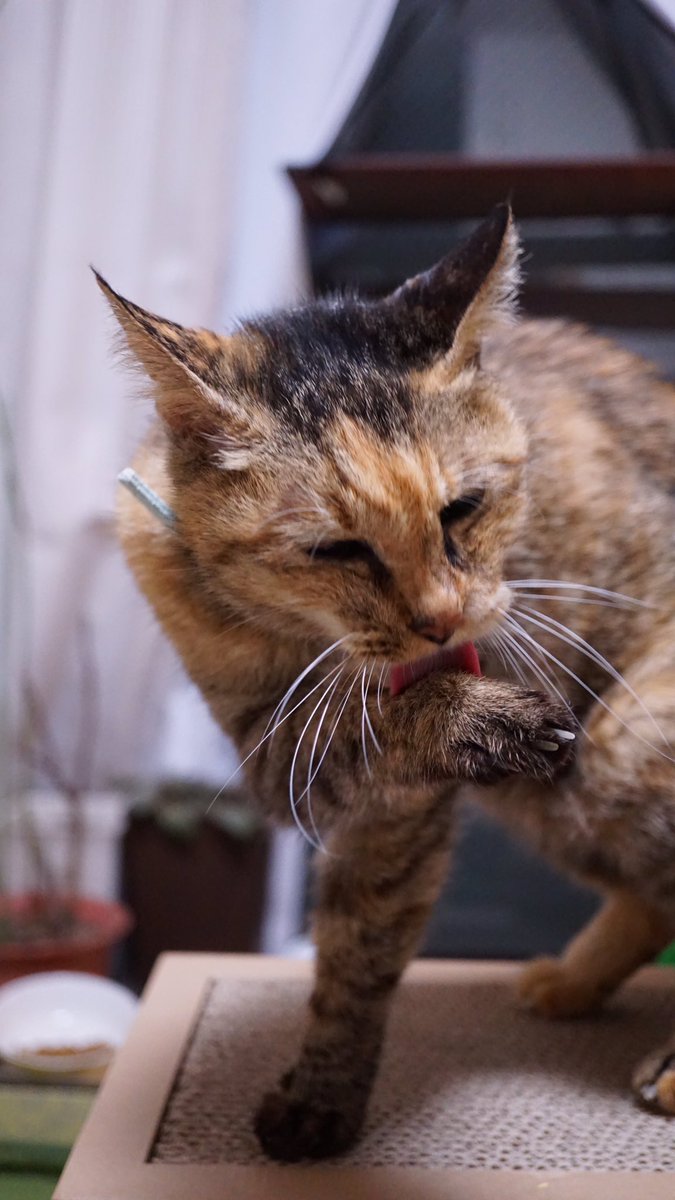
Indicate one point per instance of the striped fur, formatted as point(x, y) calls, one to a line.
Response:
point(356, 424)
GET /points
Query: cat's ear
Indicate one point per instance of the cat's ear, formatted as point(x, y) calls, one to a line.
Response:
point(463, 295)
point(190, 370)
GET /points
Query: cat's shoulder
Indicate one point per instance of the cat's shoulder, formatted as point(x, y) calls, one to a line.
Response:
point(566, 348)
point(563, 376)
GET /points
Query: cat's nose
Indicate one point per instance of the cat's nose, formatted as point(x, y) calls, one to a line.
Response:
point(439, 626)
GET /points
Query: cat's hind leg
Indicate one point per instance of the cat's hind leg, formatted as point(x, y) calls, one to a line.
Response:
point(624, 934)
point(625, 783)
point(377, 885)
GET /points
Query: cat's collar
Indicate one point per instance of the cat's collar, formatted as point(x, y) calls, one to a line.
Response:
point(154, 504)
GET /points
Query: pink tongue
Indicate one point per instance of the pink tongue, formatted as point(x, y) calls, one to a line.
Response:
point(463, 658)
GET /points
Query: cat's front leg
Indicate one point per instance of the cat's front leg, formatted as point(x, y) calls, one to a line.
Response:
point(376, 888)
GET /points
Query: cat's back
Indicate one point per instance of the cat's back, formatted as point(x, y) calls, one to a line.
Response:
point(554, 367)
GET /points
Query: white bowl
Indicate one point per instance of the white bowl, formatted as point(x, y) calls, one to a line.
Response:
point(61, 1022)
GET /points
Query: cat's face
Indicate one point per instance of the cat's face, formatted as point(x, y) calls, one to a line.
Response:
point(348, 470)
point(397, 542)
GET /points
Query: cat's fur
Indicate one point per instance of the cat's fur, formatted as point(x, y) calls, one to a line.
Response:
point(358, 421)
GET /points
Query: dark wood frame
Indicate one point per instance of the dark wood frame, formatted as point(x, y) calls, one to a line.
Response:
point(393, 187)
point(416, 188)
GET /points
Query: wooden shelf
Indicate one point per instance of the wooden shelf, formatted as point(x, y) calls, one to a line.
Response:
point(383, 187)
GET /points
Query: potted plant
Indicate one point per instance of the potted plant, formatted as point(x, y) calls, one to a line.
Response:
point(52, 925)
point(46, 922)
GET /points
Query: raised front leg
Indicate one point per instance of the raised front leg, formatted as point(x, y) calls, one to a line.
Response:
point(376, 889)
point(444, 728)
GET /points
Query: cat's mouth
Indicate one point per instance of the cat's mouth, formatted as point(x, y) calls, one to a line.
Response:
point(455, 658)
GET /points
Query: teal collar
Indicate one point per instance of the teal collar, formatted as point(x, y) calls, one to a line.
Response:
point(158, 507)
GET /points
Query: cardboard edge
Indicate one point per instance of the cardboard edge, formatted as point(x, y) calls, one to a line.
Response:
point(109, 1159)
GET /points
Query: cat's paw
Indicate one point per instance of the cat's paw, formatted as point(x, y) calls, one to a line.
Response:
point(290, 1128)
point(523, 733)
point(654, 1080)
point(546, 987)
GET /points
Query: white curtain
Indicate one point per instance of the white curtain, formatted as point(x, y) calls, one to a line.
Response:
point(308, 61)
point(147, 137)
point(664, 8)
point(119, 134)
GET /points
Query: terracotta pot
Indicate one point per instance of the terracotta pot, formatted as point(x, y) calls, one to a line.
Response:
point(103, 925)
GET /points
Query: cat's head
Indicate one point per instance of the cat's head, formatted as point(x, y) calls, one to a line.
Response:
point(349, 467)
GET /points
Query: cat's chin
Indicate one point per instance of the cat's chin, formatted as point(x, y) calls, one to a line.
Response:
point(455, 658)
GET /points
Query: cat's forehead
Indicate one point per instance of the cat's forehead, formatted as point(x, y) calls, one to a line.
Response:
point(380, 475)
point(387, 492)
point(409, 477)
point(332, 359)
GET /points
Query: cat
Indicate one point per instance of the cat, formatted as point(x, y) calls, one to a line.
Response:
point(363, 490)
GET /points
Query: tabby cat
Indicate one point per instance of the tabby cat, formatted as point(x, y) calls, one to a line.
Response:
point(362, 490)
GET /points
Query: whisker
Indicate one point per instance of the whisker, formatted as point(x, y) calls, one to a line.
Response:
point(508, 657)
point(237, 624)
point(280, 720)
point(268, 735)
point(311, 773)
point(317, 542)
point(555, 599)
point(379, 690)
point(363, 723)
point(537, 669)
point(367, 714)
point(343, 704)
point(520, 673)
point(603, 703)
point(298, 680)
point(495, 645)
point(572, 800)
point(318, 844)
point(574, 640)
point(286, 512)
point(579, 587)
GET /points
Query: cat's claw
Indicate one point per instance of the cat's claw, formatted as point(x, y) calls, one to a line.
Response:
point(563, 735)
point(523, 734)
point(654, 1081)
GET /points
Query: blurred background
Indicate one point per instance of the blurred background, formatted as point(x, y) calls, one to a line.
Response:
point(214, 158)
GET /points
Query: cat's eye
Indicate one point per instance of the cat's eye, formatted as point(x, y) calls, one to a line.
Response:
point(461, 508)
point(348, 550)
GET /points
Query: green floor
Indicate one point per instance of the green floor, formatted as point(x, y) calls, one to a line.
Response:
point(38, 1125)
point(27, 1185)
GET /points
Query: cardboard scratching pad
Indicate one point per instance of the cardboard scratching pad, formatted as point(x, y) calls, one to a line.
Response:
point(474, 1098)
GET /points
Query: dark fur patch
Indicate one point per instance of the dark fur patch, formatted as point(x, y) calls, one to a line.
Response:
point(444, 293)
point(333, 358)
point(349, 356)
